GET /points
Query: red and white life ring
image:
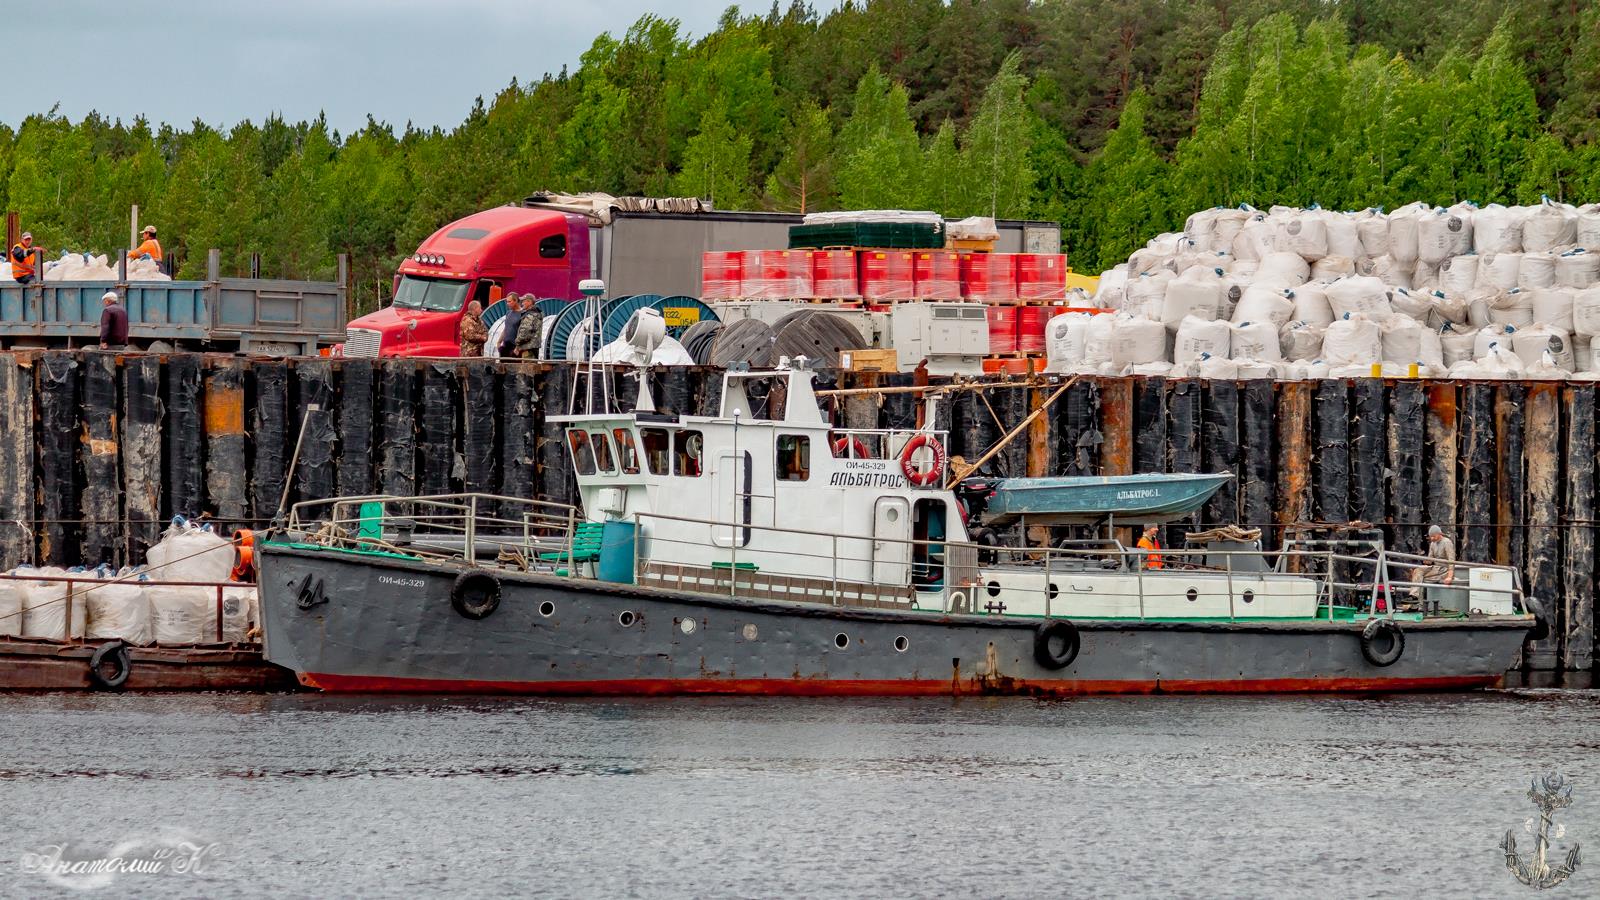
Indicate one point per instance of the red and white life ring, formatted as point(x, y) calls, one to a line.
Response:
point(930, 475)
point(858, 450)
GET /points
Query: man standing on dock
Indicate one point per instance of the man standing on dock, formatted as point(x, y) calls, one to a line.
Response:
point(530, 332)
point(113, 323)
point(508, 331)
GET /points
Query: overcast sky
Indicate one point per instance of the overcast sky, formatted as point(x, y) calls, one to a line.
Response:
point(224, 60)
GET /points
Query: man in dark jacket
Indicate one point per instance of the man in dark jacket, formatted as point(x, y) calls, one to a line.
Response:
point(113, 323)
point(513, 320)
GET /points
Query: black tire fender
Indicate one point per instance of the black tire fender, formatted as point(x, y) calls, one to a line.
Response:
point(1047, 635)
point(116, 653)
point(475, 594)
point(1382, 642)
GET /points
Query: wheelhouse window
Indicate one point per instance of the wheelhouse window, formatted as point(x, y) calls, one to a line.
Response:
point(794, 457)
point(657, 450)
point(627, 454)
point(687, 446)
point(602, 453)
point(582, 456)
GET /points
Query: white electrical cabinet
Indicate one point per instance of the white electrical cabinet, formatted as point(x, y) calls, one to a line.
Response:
point(951, 337)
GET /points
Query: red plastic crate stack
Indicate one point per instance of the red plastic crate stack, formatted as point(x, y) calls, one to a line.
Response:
point(833, 274)
point(1041, 276)
point(1002, 328)
point(778, 275)
point(887, 275)
point(937, 275)
point(722, 274)
point(1030, 327)
point(988, 276)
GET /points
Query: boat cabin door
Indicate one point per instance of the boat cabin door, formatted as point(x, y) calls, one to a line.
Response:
point(732, 499)
point(891, 526)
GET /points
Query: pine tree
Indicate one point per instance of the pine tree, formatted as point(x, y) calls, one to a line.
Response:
point(803, 179)
point(877, 154)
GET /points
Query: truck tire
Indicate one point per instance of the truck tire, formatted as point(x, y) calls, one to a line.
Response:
point(116, 654)
point(475, 594)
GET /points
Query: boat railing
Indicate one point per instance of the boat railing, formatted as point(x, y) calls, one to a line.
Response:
point(839, 569)
point(440, 526)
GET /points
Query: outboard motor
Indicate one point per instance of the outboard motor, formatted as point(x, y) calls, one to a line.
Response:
point(973, 494)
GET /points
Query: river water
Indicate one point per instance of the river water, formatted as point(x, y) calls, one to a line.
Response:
point(309, 796)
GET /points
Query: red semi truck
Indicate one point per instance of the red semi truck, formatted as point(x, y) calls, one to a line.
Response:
point(549, 243)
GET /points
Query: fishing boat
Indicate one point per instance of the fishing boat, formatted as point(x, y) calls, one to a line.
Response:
point(743, 553)
point(1090, 499)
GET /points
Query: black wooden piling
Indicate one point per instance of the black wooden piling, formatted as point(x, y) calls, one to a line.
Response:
point(59, 408)
point(1543, 423)
point(184, 437)
point(16, 462)
point(1331, 464)
point(1407, 428)
point(1220, 449)
point(1150, 425)
point(1478, 482)
point(272, 436)
point(1577, 552)
point(314, 475)
point(397, 416)
point(519, 423)
point(480, 397)
point(356, 421)
point(141, 454)
point(1367, 451)
point(436, 450)
point(1257, 454)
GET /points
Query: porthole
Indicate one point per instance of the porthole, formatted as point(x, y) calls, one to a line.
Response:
point(1053, 591)
point(1192, 594)
point(749, 632)
point(547, 609)
point(1248, 596)
point(686, 626)
point(626, 618)
point(841, 640)
point(901, 643)
point(993, 588)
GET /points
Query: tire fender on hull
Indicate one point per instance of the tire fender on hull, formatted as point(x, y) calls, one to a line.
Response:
point(475, 594)
point(1055, 644)
point(1382, 642)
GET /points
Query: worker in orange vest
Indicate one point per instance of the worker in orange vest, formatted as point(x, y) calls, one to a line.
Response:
point(1150, 541)
point(244, 566)
point(150, 249)
point(22, 259)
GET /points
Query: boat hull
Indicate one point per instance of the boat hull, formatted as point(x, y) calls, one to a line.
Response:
point(387, 625)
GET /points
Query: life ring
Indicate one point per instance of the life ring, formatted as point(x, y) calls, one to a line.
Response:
point(922, 478)
point(475, 594)
point(115, 652)
point(1047, 635)
point(1382, 642)
point(858, 449)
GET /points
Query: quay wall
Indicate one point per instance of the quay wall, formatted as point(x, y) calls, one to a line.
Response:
point(98, 450)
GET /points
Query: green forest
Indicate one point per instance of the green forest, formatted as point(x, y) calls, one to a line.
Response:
point(1114, 117)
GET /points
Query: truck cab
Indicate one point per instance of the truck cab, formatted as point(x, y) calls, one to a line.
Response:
point(508, 249)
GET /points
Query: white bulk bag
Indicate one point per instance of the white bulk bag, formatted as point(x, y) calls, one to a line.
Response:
point(1497, 229)
point(1282, 270)
point(1459, 274)
point(187, 552)
point(1548, 226)
point(1304, 233)
point(1478, 300)
point(1331, 267)
point(1135, 341)
point(1582, 350)
point(1353, 339)
point(183, 615)
point(1254, 239)
point(1217, 367)
point(1514, 307)
point(1301, 341)
point(1586, 312)
point(1197, 292)
point(1110, 291)
point(1553, 307)
point(1256, 341)
point(11, 594)
point(1442, 235)
point(1456, 346)
point(1097, 340)
point(1489, 336)
point(1247, 369)
point(1499, 270)
point(1577, 268)
point(1446, 309)
point(1529, 343)
point(1538, 270)
point(1385, 269)
point(1407, 341)
point(1424, 275)
point(240, 612)
point(1149, 370)
point(1403, 236)
point(1311, 304)
point(1587, 231)
point(1200, 227)
point(1359, 295)
point(1373, 227)
point(1546, 367)
point(1146, 293)
point(1344, 235)
point(1415, 304)
point(1229, 221)
point(1066, 341)
point(1263, 304)
point(119, 609)
point(1201, 337)
point(44, 607)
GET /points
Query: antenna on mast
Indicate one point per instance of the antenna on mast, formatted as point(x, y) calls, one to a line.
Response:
point(593, 290)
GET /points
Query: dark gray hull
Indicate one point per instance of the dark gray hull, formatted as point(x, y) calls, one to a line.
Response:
point(384, 624)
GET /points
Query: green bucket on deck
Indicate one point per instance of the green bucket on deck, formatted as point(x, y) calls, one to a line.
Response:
point(617, 541)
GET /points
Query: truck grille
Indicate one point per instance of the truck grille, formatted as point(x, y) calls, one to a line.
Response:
point(361, 342)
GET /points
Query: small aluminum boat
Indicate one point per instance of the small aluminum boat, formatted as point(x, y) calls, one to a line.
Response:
point(1086, 500)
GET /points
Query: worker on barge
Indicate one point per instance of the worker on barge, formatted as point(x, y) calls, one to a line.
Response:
point(1150, 542)
point(150, 248)
point(23, 259)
